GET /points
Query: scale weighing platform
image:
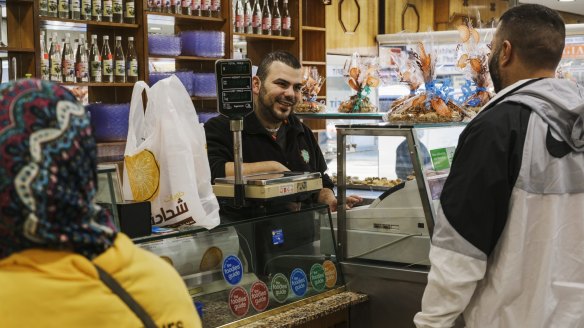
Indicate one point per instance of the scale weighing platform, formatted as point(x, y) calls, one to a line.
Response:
point(267, 186)
point(235, 101)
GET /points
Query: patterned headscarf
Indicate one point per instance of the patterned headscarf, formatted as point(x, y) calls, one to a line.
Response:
point(48, 173)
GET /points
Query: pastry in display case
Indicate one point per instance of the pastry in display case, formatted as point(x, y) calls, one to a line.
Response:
point(311, 84)
point(362, 76)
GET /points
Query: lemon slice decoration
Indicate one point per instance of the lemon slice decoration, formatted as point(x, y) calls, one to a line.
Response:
point(143, 174)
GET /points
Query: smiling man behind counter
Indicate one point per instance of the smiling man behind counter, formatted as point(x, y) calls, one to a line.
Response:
point(273, 139)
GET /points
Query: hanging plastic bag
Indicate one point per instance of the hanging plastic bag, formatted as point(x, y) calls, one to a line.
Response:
point(159, 165)
point(181, 101)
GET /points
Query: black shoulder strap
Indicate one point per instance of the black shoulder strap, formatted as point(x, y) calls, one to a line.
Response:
point(109, 281)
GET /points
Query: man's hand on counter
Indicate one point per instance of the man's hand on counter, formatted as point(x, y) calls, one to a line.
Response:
point(327, 196)
point(257, 167)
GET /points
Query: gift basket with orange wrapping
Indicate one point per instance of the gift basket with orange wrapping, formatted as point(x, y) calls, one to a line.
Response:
point(473, 61)
point(432, 104)
point(311, 84)
point(362, 76)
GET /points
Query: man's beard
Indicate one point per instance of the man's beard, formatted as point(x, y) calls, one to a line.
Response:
point(494, 70)
point(267, 106)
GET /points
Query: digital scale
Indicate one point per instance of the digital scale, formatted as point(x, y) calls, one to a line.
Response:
point(235, 101)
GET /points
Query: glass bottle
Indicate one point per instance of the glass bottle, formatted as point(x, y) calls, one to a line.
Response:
point(256, 18)
point(74, 48)
point(185, 7)
point(96, 10)
point(52, 8)
point(68, 60)
point(132, 62)
point(239, 17)
point(216, 8)
point(95, 70)
point(119, 62)
point(247, 13)
point(44, 58)
point(118, 11)
point(107, 61)
point(86, 9)
point(130, 12)
point(107, 11)
point(276, 19)
point(75, 9)
point(81, 61)
point(55, 60)
point(43, 7)
point(266, 19)
point(206, 8)
point(63, 8)
point(286, 20)
point(196, 7)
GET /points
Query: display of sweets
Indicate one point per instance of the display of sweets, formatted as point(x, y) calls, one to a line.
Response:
point(473, 61)
point(433, 104)
point(362, 76)
point(311, 84)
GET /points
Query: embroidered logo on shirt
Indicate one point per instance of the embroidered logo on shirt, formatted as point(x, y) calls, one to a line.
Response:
point(305, 155)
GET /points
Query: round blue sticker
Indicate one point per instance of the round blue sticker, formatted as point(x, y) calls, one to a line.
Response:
point(298, 282)
point(232, 269)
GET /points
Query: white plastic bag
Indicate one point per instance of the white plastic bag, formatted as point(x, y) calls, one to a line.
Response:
point(159, 160)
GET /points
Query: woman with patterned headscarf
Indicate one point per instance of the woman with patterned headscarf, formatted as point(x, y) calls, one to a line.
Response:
point(62, 263)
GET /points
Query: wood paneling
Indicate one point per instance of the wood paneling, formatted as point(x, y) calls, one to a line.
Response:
point(363, 40)
point(393, 16)
point(479, 10)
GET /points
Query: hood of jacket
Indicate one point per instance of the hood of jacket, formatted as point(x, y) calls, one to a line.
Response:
point(559, 102)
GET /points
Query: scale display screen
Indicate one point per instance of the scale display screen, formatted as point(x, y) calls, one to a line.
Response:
point(234, 85)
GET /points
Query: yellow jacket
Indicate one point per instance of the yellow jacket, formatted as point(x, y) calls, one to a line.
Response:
point(42, 288)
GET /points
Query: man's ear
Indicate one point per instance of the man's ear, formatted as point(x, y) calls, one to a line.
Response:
point(507, 53)
point(256, 85)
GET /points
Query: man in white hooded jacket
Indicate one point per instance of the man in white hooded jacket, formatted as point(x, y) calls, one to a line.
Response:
point(508, 245)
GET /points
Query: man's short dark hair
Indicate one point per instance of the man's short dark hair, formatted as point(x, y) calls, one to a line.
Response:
point(537, 32)
point(278, 55)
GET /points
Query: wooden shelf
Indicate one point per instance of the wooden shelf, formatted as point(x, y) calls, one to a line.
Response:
point(313, 28)
point(194, 58)
point(88, 22)
point(97, 84)
point(264, 37)
point(15, 49)
point(313, 63)
point(179, 18)
point(320, 97)
point(203, 98)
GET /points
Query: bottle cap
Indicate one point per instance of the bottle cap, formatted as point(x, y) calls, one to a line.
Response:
point(130, 38)
point(106, 37)
point(118, 38)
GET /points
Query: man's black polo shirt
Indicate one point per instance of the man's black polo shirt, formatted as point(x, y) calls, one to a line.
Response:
point(301, 154)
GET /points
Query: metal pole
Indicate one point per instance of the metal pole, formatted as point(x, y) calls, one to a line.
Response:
point(236, 126)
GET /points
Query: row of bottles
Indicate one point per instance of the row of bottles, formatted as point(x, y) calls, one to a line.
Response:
point(205, 8)
point(116, 11)
point(80, 63)
point(261, 19)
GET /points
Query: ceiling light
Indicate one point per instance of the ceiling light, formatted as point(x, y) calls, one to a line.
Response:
point(566, 0)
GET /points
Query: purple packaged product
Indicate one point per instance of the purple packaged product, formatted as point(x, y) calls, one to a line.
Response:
point(203, 43)
point(205, 84)
point(166, 45)
point(154, 77)
point(109, 121)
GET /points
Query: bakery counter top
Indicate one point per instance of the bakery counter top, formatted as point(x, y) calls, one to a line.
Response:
point(294, 315)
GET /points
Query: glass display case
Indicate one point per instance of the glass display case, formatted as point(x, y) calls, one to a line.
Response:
point(250, 267)
point(401, 174)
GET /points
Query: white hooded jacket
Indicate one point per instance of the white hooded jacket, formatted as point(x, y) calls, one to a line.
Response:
point(508, 245)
